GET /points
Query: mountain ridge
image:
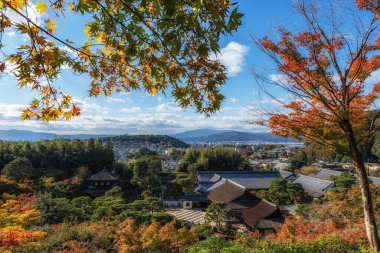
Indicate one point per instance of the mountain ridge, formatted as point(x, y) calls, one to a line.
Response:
point(204, 135)
point(27, 135)
point(233, 136)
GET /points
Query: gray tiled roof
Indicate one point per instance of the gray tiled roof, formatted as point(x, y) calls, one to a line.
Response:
point(104, 175)
point(314, 186)
point(247, 179)
point(207, 176)
point(203, 187)
point(325, 174)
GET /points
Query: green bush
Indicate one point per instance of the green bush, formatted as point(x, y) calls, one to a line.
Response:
point(210, 245)
point(19, 169)
point(58, 210)
point(321, 245)
point(144, 217)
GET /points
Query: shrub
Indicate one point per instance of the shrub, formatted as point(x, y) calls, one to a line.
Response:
point(19, 169)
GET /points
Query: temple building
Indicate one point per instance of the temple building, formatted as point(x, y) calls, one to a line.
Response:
point(101, 182)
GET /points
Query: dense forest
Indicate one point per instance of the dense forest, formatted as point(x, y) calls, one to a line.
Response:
point(150, 138)
point(59, 158)
point(216, 159)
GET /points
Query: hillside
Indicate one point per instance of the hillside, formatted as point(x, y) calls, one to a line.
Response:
point(23, 135)
point(125, 145)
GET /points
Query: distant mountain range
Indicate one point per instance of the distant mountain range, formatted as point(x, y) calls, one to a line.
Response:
point(193, 136)
point(24, 135)
point(197, 133)
point(225, 136)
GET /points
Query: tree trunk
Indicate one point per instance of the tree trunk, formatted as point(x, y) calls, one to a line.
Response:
point(369, 216)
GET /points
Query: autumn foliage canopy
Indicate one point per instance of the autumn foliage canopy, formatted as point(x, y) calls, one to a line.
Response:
point(155, 46)
point(326, 74)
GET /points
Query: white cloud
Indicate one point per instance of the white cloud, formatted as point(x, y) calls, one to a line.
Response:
point(11, 34)
point(133, 109)
point(232, 56)
point(29, 11)
point(11, 110)
point(90, 108)
point(118, 100)
point(92, 120)
point(10, 68)
point(279, 78)
point(165, 108)
point(68, 50)
point(374, 78)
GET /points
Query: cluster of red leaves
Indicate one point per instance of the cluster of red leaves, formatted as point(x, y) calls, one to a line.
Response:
point(21, 203)
point(304, 229)
point(94, 233)
point(345, 209)
point(339, 215)
point(369, 5)
point(15, 236)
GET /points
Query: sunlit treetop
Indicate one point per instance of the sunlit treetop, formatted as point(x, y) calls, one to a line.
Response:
point(152, 45)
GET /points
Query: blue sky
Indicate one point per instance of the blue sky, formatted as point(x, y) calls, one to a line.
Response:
point(138, 112)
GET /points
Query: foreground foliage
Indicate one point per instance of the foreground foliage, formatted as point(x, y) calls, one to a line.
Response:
point(148, 45)
point(111, 223)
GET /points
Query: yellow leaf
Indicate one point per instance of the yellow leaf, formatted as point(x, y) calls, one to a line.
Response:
point(71, 6)
point(87, 31)
point(68, 115)
point(85, 54)
point(153, 91)
point(17, 4)
point(150, 8)
point(50, 25)
point(100, 37)
point(41, 7)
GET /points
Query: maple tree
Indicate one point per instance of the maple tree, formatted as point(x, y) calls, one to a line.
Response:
point(13, 236)
point(342, 207)
point(16, 216)
point(325, 72)
point(17, 211)
point(152, 45)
